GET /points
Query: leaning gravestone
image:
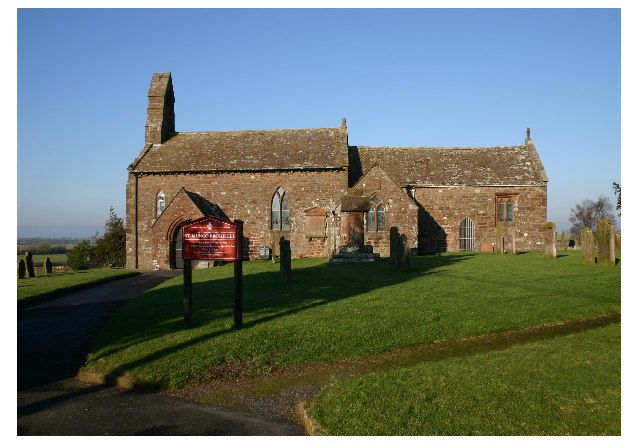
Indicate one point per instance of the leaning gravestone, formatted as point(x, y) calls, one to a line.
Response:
point(586, 242)
point(22, 269)
point(29, 260)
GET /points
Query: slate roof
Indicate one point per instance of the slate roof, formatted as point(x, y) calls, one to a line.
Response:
point(206, 208)
point(425, 166)
point(253, 150)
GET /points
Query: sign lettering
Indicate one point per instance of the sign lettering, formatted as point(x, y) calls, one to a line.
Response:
point(210, 238)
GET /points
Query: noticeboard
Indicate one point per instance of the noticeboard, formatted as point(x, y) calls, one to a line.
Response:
point(210, 238)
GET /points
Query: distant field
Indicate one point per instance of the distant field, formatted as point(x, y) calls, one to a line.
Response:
point(44, 285)
point(39, 259)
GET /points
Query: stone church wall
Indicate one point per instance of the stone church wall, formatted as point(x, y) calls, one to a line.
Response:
point(442, 210)
point(245, 196)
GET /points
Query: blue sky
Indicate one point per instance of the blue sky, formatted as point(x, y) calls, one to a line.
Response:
point(427, 77)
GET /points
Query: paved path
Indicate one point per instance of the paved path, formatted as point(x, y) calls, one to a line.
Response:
point(53, 340)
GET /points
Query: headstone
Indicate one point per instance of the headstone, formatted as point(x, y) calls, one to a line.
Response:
point(285, 260)
point(393, 246)
point(404, 254)
point(550, 240)
point(511, 237)
point(499, 238)
point(563, 240)
point(22, 269)
point(265, 253)
point(604, 244)
point(586, 242)
point(29, 261)
point(48, 266)
point(613, 244)
point(486, 247)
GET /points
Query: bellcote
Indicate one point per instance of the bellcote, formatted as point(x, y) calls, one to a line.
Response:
point(161, 119)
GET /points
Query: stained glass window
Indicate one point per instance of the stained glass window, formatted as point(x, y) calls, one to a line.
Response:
point(510, 211)
point(371, 218)
point(505, 208)
point(159, 203)
point(376, 215)
point(280, 211)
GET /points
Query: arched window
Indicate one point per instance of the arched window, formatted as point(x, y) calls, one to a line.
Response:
point(467, 235)
point(159, 203)
point(280, 211)
point(376, 217)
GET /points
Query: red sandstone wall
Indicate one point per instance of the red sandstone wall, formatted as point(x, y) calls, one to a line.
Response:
point(401, 211)
point(444, 208)
point(245, 196)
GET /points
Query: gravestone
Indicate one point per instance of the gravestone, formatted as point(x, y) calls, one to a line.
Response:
point(550, 240)
point(29, 260)
point(393, 246)
point(613, 244)
point(511, 239)
point(285, 260)
point(499, 238)
point(48, 266)
point(22, 269)
point(404, 253)
point(604, 243)
point(586, 242)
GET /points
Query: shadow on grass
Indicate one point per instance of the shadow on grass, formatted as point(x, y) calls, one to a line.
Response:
point(266, 298)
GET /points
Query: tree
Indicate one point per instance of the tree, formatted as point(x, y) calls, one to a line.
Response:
point(80, 256)
point(618, 192)
point(587, 214)
point(110, 248)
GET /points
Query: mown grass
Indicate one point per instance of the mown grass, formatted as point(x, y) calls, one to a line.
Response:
point(562, 386)
point(46, 285)
point(342, 312)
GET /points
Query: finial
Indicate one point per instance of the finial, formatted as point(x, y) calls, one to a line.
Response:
point(528, 134)
point(344, 122)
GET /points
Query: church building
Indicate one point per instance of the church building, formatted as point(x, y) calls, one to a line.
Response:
point(310, 185)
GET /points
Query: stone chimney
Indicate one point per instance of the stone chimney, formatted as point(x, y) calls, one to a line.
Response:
point(161, 119)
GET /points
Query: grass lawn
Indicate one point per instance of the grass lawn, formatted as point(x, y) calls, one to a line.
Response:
point(563, 386)
point(342, 312)
point(44, 285)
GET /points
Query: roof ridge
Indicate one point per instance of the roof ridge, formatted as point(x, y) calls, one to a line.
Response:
point(256, 130)
point(439, 147)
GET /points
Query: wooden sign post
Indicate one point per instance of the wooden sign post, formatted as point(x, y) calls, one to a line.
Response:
point(210, 238)
point(237, 278)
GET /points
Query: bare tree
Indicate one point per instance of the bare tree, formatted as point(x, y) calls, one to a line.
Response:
point(587, 214)
point(618, 191)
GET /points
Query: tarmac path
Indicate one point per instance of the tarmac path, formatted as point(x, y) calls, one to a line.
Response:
point(53, 340)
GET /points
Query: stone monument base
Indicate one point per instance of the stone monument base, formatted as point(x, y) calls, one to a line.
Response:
point(362, 253)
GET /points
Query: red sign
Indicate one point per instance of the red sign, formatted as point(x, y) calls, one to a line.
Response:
point(210, 238)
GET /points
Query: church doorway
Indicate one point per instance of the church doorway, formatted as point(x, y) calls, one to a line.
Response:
point(176, 249)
